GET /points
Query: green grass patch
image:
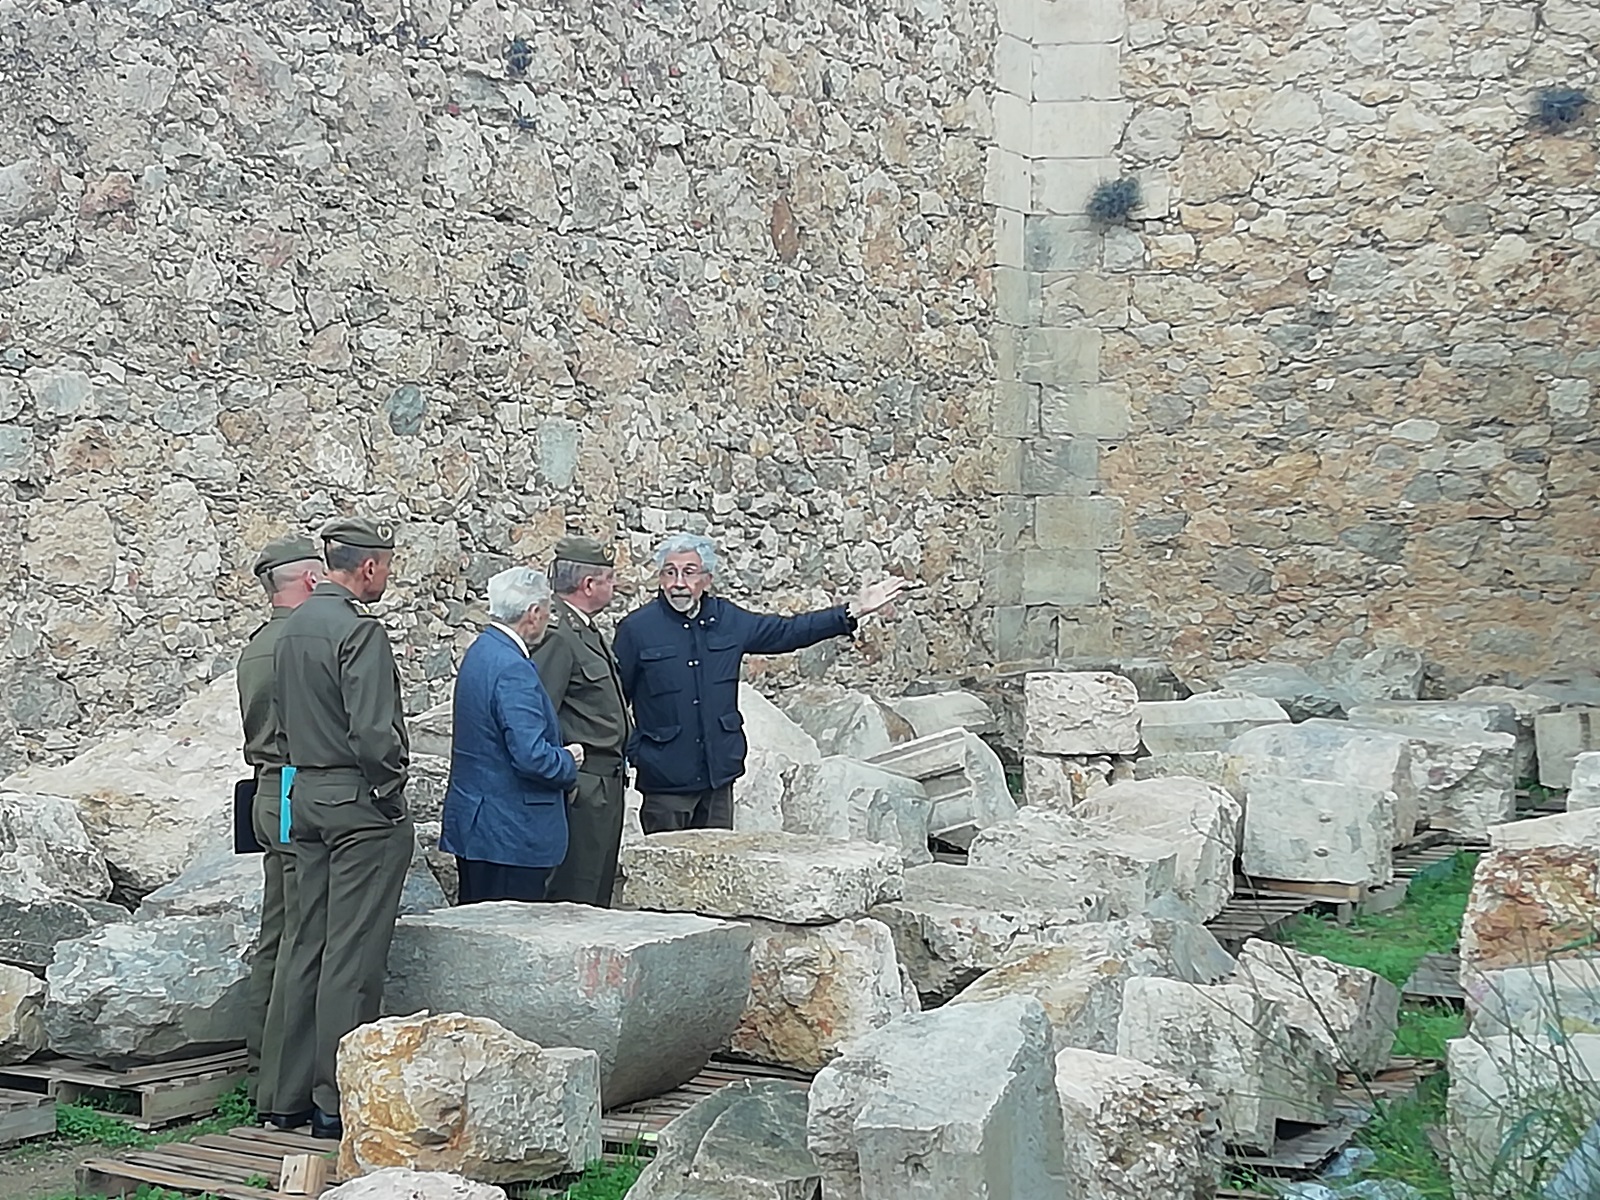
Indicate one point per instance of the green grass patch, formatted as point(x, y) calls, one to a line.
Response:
point(1398, 1135)
point(1425, 1028)
point(605, 1181)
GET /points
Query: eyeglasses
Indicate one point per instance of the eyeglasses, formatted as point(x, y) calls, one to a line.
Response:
point(687, 574)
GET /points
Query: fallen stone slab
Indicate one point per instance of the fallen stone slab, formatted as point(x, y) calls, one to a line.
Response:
point(1449, 717)
point(746, 1141)
point(53, 882)
point(814, 987)
point(855, 801)
point(398, 1183)
point(1300, 695)
point(1525, 706)
point(1465, 781)
point(1530, 906)
point(449, 1092)
point(150, 799)
point(1209, 721)
point(1234, 1043)
point(1580, 828)
point(1061, 784)
point(653, 994)
point(1585, 790)
point(1080, 712)
point(1132, 871)
point(953, 923)
point(1341, 753)
point(939, 711)
point(1350, 1013)
point(21, 1015)
point(777, 746)
point(1362, 676)
point(1133, 1131)
point(844, 721)
point(1317, 831)
point(1221, 767)
point(1534, 1001)
point(955, 1104)
point(147, 991)
point(1560, 737)
point(787, 877)
point(963, 778)
point(1501, 1122)
point(1079, 979)
point(1200, 819)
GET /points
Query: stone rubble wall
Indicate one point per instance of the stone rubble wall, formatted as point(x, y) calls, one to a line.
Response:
point(715, 266)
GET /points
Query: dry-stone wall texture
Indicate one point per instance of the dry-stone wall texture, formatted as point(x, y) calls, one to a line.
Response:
point(1337, 378)
point(492, 270)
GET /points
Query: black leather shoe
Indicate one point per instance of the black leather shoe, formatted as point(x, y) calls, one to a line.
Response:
point(324, 1126)
point(290, 1120)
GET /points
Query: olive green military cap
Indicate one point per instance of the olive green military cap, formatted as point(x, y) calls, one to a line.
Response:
point(280, 552)
point(360, 531)
point(577, 549)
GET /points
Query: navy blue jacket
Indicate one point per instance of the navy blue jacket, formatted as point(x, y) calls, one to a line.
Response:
point(682, 675)
point(509, 776)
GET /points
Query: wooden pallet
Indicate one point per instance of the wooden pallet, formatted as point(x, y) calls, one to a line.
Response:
point(1246, 917)
point(631, 1127)
point(25, 1115)
point(156, 1095)
point(230, 1166)
point(1437, 977)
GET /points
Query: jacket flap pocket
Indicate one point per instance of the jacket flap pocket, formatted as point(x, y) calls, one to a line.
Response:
point(665, 734)
point(732, 722)
point(657, 653)
point(593, 668)
point(722, 641)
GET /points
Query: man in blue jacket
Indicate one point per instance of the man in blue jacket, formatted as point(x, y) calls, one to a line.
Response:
point(679, 657)
point(505, 809)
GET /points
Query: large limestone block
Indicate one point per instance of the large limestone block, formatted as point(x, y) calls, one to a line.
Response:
point(938, 711)
point(954, 923)
point(53, 882)
point(1351, 1013)
point(432, 731)
point(1531, 905)
point(776, 876)
point(1361, 676)
point(398, 1183)
point(1301, 696)
point(1080, 712)
point(746, 1141)
point(1079, 980)
point(1560, 738)
point(1465, 780)
point(843, 721)
point(1060, 784)
point(855, 801)
point(150, 990)
point(1440, 716)
point(1221, 767)
point(777, 746)
point(653, 994)
point(1516, 1106)
point(1134, 1132)
point(1526, 704)
point(151, 798)
point(1317, 831)
point(1585, 790)
point(1562, 997)
point(955, 1104)
point(963, 778)
point(21, 1014)
point(449, 1092)
point(1208, 721)
point(1200, 819)
point(813, 988)
point(1133, 871)
point(1580, 828)
point(1342, 753)
point(1234, 1043)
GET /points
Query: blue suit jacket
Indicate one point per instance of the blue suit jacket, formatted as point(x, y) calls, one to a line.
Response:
point(682, 675)
point(506, 802)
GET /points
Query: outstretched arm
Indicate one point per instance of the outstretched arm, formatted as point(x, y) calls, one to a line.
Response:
point(779, 635)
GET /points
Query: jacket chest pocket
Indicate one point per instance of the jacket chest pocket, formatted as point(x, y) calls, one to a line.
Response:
point(595, 670)
point(723, 654)
point(662, 667)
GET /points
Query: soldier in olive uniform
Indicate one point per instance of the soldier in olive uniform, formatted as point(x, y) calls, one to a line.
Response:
point(288, 569)
point(580, 674)
point(339, 702)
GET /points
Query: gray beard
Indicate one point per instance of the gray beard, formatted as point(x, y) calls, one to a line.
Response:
point(687, 606)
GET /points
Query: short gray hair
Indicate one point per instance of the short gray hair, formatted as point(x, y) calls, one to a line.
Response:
point(275, 580)
point(688, 543)
point(514, 591)
point(567, 577)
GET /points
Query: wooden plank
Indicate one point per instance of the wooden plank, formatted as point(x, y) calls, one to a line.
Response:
point(25, 1115)
point(121, 1177)
point(1343, 892)
point(169, 1100)
point(1437, 977)
point(1303, 1149)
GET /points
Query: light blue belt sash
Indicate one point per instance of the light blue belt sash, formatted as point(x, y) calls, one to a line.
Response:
point(283, 805)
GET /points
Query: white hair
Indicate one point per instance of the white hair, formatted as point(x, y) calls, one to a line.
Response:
point(514, 591)
point(688, 543)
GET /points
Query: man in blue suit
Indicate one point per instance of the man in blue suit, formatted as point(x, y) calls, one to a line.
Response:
point(505, 810)
point(679, 658)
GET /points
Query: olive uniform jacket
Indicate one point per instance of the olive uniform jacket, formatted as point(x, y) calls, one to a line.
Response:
point(265, 747)
point(579, 674)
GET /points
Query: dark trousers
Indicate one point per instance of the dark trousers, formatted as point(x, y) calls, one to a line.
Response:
point(351, 859)
point(594, 839)
point(664, 811)
point(484, 881)
point(280, 914)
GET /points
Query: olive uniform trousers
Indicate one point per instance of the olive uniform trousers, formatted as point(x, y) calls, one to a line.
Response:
point(594, 833)
point(280, 914)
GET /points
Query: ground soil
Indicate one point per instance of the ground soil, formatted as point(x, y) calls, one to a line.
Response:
point(46, 1173)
